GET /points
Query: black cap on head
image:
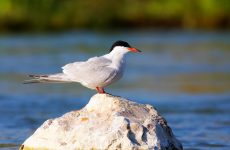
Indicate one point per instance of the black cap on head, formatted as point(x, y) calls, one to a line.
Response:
point(119, 43)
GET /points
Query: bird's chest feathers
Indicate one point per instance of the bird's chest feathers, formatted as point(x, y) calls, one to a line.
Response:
point(119, 64)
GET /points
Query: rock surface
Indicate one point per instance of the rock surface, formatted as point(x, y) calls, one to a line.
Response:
point(106, 122)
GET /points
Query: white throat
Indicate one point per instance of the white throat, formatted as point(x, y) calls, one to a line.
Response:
point(117, 55)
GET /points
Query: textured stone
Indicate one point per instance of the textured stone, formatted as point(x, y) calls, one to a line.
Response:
point(106, 122)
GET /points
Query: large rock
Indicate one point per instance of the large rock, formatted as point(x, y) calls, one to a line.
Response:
point(106, 122)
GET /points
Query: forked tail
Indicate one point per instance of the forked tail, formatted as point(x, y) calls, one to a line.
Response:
point(52, 78)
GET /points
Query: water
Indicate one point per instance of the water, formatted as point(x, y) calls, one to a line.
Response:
point(185, 75)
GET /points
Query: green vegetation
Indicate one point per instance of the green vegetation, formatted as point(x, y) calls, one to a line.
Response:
point(42, 15)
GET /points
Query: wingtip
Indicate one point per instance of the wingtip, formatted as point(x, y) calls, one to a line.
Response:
point(37, 76)
point(35, 80)
point(28, 82)
point(31, 75)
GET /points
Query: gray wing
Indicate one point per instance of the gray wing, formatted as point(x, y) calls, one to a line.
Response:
point(94, 68)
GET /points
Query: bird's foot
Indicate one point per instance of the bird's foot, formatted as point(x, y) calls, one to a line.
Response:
point(101, 90)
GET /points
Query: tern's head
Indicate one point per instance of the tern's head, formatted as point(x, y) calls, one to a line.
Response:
point(123, 46)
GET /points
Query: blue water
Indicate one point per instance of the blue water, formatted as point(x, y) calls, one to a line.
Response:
point(185, 75)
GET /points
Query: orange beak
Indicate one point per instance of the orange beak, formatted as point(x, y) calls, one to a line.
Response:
point(132, 49)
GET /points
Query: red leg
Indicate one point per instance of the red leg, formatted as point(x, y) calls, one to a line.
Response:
point(100, 90)
point(103, 91)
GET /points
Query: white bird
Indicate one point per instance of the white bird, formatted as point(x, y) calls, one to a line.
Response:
point(95, 73)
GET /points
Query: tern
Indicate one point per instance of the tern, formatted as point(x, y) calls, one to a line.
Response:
point(95, 73)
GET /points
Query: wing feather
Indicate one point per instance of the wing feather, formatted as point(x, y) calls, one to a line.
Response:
point(96, 67)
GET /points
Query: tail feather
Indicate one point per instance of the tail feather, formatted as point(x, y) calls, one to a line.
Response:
point(53, 78)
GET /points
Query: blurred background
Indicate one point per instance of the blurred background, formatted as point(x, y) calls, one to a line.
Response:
point(184, 70)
